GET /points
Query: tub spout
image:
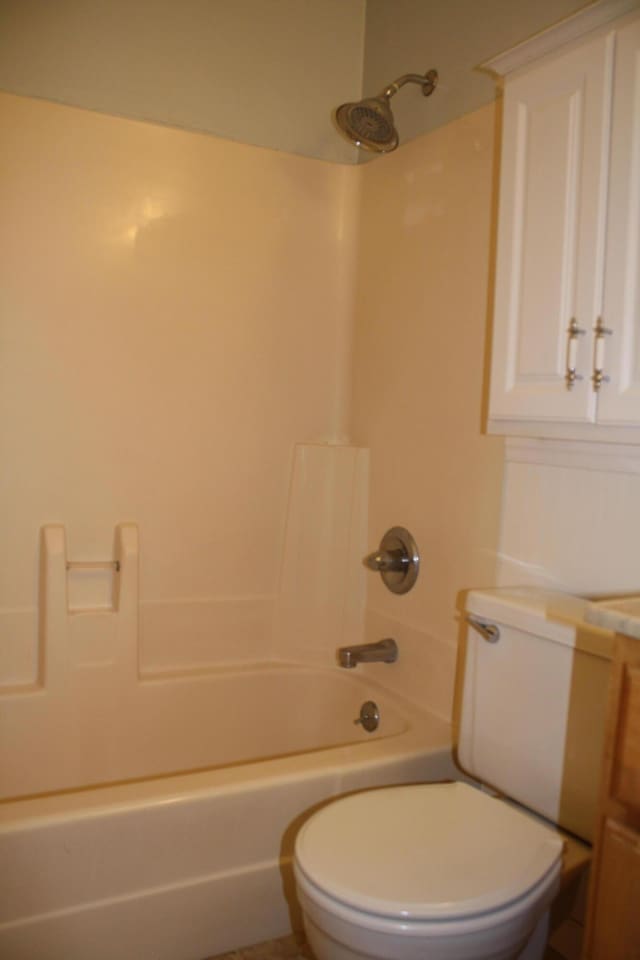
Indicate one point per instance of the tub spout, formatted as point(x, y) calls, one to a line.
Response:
point(384, 651)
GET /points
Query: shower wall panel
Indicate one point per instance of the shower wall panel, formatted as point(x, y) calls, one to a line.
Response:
point(175, 314)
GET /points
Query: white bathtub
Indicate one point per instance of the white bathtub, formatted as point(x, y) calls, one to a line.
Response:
point(184, 865)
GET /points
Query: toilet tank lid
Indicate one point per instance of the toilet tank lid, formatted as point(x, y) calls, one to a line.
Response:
point(550, 614)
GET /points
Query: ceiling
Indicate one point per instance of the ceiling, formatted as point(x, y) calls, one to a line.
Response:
point(264, 72)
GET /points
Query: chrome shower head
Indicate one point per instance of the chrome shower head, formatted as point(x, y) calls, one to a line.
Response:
point(369, 123)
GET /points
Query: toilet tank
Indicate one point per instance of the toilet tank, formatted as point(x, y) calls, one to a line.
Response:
point(532, 708)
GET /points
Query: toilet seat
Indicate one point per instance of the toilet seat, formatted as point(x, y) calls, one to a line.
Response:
point(508, 917)
point(436, 852)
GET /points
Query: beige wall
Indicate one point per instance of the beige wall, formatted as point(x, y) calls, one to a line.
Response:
point(177, 314)
point(175, 317)
point(422, 302)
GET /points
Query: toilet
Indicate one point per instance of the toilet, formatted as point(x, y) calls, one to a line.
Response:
point(456, 870)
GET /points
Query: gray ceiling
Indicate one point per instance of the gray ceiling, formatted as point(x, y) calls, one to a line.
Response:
point(265, 72)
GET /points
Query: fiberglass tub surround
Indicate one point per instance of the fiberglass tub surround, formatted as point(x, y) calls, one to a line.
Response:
point(153, 814)
point(122, 690)
point(94, 720)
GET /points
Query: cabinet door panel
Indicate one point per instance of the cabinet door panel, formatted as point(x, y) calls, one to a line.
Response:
point(551, 234)
point(626, 764)
point(616, 929)
point(619, 400)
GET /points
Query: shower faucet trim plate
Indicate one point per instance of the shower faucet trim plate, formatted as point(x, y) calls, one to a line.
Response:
point(396, 560)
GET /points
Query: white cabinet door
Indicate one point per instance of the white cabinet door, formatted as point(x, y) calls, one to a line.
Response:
point(551, 235)
point(619, 398)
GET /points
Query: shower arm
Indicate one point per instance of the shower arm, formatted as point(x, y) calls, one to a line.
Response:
point(427, 81)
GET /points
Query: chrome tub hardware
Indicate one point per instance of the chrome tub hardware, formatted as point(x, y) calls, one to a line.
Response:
point(574, 331)
point(396, 560)
point(369, 123)
point(384, 651)
point(599, 377)
point(489, 631)
point(369, 716)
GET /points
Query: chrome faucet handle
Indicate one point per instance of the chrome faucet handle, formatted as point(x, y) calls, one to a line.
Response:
point(396, 560)
point(379, 560)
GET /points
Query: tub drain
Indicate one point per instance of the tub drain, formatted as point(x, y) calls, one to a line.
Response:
point(369, 716)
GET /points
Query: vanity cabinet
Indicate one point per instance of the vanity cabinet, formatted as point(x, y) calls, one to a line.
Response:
point(613, 931)
point(566, 331)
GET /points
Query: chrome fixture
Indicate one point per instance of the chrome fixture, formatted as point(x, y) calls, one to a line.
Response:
point(369, 716)
point(397, 560)
point(369, 123)
point(384, 651)
point(489, 631)
point(574, 331)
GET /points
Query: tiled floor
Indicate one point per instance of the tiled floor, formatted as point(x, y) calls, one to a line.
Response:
point(291, 948)
point(288, 948)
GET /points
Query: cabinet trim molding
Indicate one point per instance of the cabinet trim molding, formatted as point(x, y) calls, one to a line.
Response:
point(575, 454)
point(547, 41)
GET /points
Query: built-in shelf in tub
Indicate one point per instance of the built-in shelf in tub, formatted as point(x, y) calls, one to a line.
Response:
point(88, 608)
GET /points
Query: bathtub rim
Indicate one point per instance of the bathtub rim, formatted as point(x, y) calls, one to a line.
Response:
point(425, 733)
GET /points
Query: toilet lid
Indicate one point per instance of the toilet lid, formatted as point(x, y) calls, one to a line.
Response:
point(439, 851)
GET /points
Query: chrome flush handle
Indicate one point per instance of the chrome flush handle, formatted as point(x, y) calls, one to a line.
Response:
point(573, 331)
point(599, 377)
point(489, 631)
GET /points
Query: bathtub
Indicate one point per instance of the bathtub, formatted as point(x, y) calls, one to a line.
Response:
point(188, 854)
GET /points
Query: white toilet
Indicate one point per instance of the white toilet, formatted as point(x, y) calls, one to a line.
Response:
point(444, 871)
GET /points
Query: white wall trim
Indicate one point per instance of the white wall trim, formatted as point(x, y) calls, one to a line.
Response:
point(595, 15)
point(575, 454)
point(566, 431)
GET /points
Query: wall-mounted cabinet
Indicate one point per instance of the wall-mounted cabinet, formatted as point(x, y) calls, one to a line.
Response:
point(566, 333)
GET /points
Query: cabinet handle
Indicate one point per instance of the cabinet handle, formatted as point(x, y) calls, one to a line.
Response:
point(599, 377)
point(574, 331)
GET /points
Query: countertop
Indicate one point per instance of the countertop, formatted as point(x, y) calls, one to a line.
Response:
point(620, 614)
